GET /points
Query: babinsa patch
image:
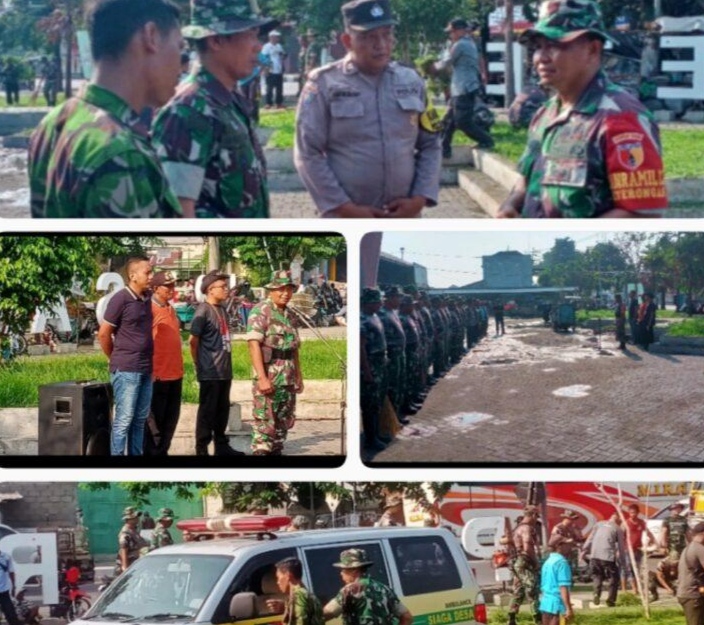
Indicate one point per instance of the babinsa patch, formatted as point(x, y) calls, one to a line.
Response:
point(629, 150)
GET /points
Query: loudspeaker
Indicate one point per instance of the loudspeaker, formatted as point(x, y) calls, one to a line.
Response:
point(74, 419)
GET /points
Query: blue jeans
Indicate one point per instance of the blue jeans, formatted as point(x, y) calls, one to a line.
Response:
point(133, 397)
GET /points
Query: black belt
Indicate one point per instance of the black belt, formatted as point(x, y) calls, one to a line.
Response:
point(282, 354)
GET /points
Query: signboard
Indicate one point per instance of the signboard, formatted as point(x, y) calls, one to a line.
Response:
point(688, 47)
point(33, 555)
point(499, 67)
point(497, 20)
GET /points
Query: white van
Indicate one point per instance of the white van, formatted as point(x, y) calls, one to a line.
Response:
point(230, 580)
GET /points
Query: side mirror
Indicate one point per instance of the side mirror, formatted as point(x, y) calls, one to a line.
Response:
point(243, 606)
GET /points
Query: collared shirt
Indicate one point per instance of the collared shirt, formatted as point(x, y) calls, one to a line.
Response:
point(464, 58)
point(7, 566)
point(131, 317)
point(214, 358)
point(275, 53)
point(393, 329)
point(210, 151)
point(554, 574)
point(302, 607)
point(606, 542)
point(371, 332)
point(91, 157)
point(166, 331)
point(602, 154)
point(359, 138)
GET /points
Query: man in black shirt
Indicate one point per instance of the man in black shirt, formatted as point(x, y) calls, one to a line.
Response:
point(211, 351)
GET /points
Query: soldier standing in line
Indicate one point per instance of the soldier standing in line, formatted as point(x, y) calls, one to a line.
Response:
point(675, 532)
point(91, 156)
point(204, 136)
point(372, 354)
point(130, 543)
point(273, 347)
point(363, 599)
point(413, 356)
point(395, 350)
point(525, 566)
point(593, 149)
point(364, 146)
point(438, 340)
point(161, 537)
point(428, 338)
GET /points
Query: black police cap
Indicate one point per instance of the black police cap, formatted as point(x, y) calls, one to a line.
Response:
point(364, 15)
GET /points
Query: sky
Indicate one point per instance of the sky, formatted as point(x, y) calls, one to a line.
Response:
point(455, 258)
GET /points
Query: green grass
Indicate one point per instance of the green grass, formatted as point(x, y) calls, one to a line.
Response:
point(25, 101)
point(284, 123)
point(585, 315)
point(607, 616)
point(689, 327)
point(20, 380)
point(683, 152)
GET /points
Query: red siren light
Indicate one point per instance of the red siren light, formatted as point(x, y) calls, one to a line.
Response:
point(235, 523)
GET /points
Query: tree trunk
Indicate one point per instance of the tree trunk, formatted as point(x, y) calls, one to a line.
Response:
point(213, 253)
point(69, 47)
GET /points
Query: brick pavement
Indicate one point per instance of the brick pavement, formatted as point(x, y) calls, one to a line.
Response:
point(637, 407)
point(453, 202)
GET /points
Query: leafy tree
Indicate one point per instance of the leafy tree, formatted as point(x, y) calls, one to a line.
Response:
point(39, 270)
point(261, 254)
point(560, 265)
point(256, 496)
point(605, 267)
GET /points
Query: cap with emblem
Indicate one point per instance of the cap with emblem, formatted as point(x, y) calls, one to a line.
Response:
point(565, 20)
point(362, 15)
point(163, 278)
point(225, 17)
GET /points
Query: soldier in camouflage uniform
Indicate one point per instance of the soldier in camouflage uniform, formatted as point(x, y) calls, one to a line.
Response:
point(363, 600)
point(664, 577)
point(130, 543)
point(593, 149)
point(273, 348)
point(372, 354)
point(438, 340)
point(161, 537)
point(301, 606)
point(395, 350)
point(567, 528)
point(413, 358)
point(204, 136)
point(91, 156)
point(525, 566)
point(428, 336)
point(674, 532)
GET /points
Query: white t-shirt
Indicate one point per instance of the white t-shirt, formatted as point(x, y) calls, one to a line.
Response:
point(275, 51)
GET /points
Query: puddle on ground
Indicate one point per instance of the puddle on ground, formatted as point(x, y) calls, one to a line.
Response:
point(416, 431)
point(574, 392)
point(549, 370)
point(468, 420)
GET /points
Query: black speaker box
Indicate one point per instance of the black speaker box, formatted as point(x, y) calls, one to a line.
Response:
point(74, 419)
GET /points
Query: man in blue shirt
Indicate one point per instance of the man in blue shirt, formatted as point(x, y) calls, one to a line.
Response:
point(466, 83)
point(555, 582)
point(7, 588)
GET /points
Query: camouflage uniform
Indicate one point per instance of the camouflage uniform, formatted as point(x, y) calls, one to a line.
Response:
point(91, 157)
point(302, 608)
point(413, 357)
point(210, 151)
point(602, 154)
point(129, 538)
point(364, 601)
point(438, 341)
point(396, 352)
point(274, 415)
point(526, 581)
point(573, 533)
point(372, 393)
point(161, 537)
point(669, 569)
point(428, 335)
point(677, 535)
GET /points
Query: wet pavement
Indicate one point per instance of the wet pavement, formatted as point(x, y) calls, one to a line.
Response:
point(535, 395)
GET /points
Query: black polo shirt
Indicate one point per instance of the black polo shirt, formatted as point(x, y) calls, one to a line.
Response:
point(131, 317)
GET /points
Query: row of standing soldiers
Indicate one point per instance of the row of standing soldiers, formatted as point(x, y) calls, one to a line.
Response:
point(408, 342)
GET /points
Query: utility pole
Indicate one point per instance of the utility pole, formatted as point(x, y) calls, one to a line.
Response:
point(508, 81)
point(213, 253)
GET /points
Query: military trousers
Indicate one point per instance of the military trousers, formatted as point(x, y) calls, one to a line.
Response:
point(396, 374)
point(372, 396)
point(413, 384)
point(438, 356)
point(274, 415)
point(526, 584)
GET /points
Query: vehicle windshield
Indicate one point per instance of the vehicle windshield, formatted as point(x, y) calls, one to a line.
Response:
point(162, 588)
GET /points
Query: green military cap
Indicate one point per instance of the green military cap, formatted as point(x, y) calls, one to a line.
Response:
point(565, 20)
point(363, 15)
point(165, 514)
point(130, 512)
point(411, 289)
point(225, 17)
point(392, 291)
point(370, 295)
point(353, 559)
point(279, 280)
point(407, 300)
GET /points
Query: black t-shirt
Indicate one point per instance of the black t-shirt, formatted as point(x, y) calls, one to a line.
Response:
point(214, 360)
point(131, 317)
